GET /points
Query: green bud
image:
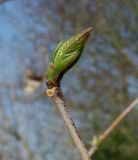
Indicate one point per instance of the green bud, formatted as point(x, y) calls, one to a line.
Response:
point(65, 56)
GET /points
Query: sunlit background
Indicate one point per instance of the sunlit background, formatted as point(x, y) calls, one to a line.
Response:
point(98, 88)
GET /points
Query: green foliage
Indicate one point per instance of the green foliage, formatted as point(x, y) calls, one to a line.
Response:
point(119, 146)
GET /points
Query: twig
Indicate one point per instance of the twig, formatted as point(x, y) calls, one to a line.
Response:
point(58, 100)
point(65, 56)
point(109, 130)
point(11, 131)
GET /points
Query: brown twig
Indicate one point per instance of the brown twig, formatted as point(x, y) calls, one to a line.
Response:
point(110, 129)
point(59, 101)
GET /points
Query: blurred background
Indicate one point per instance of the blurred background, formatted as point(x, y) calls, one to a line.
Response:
point(98, 88)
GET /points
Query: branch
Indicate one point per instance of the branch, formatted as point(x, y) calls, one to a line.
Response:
point(11, 131)
point(2, 1)
point(97, 140)
point(60, 103)
point(65, 56)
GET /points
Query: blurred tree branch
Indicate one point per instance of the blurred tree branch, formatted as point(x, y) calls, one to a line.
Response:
point(11, 131)
point(2, 1)
point(97, 140)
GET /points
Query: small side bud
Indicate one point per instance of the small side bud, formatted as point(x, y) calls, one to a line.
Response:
point(51, 92)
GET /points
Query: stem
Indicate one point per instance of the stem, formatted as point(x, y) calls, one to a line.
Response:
point(63, 109)
point(113, 126)
point(92, 150)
